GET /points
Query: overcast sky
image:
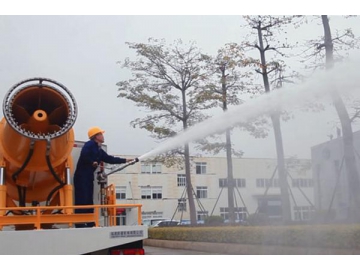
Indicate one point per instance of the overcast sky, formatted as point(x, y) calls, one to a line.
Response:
point(81, 52)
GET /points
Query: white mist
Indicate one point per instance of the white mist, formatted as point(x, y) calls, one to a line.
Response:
point(344, 77)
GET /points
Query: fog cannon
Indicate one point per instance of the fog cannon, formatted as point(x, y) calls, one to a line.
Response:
point(36, 140)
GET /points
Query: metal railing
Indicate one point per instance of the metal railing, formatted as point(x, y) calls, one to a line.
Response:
point(42, 215)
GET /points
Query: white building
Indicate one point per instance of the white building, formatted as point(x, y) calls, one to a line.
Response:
point(162, 191)
point(332, 193)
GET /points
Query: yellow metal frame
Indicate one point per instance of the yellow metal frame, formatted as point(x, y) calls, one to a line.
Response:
point(40, 214)
point(37, 218)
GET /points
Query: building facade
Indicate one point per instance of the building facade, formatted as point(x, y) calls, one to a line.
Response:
point(331, 188)
point(162, 190)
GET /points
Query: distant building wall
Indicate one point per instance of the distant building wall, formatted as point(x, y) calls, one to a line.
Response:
point(331, 187)
point(252, 176)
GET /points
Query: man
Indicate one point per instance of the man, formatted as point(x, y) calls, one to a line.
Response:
point(90, 158)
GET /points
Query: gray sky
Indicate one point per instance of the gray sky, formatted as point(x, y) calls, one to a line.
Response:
point(81, 52)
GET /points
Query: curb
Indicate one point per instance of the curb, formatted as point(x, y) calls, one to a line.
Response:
point(240, 249)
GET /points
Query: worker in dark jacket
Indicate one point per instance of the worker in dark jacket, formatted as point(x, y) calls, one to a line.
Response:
point(90, 158)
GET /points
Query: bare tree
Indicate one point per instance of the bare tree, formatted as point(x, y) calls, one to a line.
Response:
point(325, 52)
point(167, 81)
point(231, 79)
point(265, 26)
point(345, 120)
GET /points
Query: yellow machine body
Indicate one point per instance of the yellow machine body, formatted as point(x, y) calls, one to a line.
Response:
point(36, 176)
point(37, 156)
point(36, 140)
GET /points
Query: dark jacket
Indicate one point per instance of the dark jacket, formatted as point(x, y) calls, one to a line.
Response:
point(84, 172)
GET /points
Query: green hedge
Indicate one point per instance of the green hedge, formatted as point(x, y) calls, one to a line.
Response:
point(326, 236)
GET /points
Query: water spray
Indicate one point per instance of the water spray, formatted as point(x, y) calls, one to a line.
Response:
point(343, 77)
point(316, 88)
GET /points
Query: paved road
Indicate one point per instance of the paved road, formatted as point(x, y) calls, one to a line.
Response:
point(168, 251)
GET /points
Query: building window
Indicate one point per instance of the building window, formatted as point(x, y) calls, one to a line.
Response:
point(201, 216)
point(182, 205)
point(260, 182)
point(150, 168)
point(224, 212)
point(303, 212)
point(201, 192)
point(156, 193)
point(200, 167)
point(223, 182)
point(302, 182)
point(120, 220)
point(270, 207)
point(148, 193)
point(181, 180)
point(120, 192)
point(240, 213)
point(267, 182)
point(151, 215)
point(239, 182)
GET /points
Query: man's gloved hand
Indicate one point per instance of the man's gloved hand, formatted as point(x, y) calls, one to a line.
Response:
point(133, 161)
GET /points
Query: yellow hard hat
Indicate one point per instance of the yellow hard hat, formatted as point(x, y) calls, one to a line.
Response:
point(94, 130)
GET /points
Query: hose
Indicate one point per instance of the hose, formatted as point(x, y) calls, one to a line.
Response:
point(22, 190)
point(102, 175)
point(57, 178)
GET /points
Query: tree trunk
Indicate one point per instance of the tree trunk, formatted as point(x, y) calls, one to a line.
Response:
point(189, 188)
point(230, 178)
point(275, 118)
point(349, 154)
point(284, 187)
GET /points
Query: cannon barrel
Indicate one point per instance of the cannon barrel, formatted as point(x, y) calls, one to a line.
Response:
point(36, 140)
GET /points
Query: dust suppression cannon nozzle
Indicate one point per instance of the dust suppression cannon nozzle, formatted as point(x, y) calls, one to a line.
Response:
point(40, 108)
point(36, 142)
point(134, 161)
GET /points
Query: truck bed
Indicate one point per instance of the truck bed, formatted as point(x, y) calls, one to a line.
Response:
point(69, 241)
